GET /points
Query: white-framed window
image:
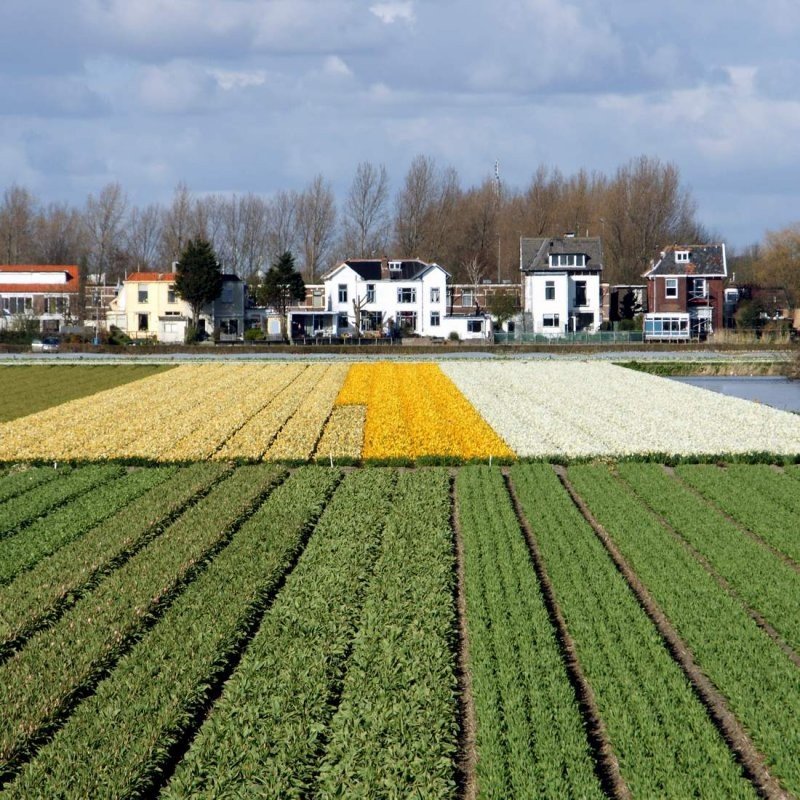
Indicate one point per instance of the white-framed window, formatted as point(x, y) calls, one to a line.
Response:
point(342, 292)
point(670, 287)
point(467, 298)
point(406, 294)
point(435, 294)
point(698, 288)
point(474, 325)
point(143, 297)
point(435, 319)
point(18, 305)
point(171, 296)
point(580, 293)
point(681, 256)
point(143, 322)
point(549, 290)
point(550, 321)
point(567, 260)
point(370, 292)
point(407, 320)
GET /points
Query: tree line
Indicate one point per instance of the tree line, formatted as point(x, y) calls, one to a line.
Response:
point(472, 231)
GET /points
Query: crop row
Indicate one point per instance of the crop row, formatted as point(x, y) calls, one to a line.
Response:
point(40, 682)
point(47, 534)
point(757, 575)
point(756, 496)
point(31, 388)
point(40, 594)
point(264, 734)
point(14, 482)
point(759, 681)
point(156, 690)
point(661, 735)
point(394, 731)
point(23, 509)
point(530, 737)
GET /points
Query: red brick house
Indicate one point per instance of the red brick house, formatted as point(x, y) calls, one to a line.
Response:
point(685, 296)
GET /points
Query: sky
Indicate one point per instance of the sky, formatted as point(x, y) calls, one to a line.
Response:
point(237, 96)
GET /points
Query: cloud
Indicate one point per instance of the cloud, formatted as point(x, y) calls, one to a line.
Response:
point(389, 13)
point(242, 79)
point(335, 66)
point(177, 88)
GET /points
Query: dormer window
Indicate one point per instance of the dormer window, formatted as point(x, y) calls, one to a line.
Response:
point(395, 266)
point(681, 256)
point(567, 260)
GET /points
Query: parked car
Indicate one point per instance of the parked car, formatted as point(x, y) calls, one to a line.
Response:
point(50, 344)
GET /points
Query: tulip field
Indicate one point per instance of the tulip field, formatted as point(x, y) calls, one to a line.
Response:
point(449, 580)
point(390, 412)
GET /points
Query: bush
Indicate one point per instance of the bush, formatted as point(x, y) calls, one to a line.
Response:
point(454, 337)
point(253, 335)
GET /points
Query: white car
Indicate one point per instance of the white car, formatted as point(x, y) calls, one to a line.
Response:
point(50, 344)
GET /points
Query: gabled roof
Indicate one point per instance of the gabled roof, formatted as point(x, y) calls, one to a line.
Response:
point(72, 269)
point(151, 277)
point(534, 253)
point(370, 269)
point(706, 260)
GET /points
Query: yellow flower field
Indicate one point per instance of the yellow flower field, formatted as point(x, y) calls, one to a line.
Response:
point(270, 412)
point(414, 410)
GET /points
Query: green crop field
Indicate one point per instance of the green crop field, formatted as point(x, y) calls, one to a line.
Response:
point(534, 631)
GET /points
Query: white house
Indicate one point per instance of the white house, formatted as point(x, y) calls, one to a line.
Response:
point(561, 283)
point(370, 296)
point(42, 294)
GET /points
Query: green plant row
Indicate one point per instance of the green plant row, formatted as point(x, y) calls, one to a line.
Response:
point(530, 738)
point(25, 508)
point(760, 682)
point(40, 682)
point(663, 739)
point(117, 742)
point(48, 534)
point(763, 500)
point(395, 730)
point(264, 736)
point(31, 388)
point(763, 581)
point(60, 579)
point(18, 481)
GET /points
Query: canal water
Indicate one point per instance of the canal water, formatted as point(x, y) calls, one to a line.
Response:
point(770, 390)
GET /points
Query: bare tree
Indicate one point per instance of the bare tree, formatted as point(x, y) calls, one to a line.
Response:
point(281, 224)
point(17, 216)
point(241, 237)
point(366, 215)
point(413, 204)
point(645, 208)
point(316, 220)
point(181, 223)
point(60, 236)
point(779, 261)
point(104, 218)
point(144, 234)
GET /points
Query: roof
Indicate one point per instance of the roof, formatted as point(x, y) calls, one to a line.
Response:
point(534, 253)
point(370, 269)
point(68, 287)
point(150, 277)
point(71, 268)
point(704, 259)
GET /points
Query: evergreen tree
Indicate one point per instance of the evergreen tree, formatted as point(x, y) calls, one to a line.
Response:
point(198, 278)
point(282, 284)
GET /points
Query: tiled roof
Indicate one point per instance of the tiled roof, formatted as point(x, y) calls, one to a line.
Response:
point(534, 253)
point(151, 277)
point(704, 259)
point(368, 270)
point(72, 269)
point(69, 287)
point(39, 288)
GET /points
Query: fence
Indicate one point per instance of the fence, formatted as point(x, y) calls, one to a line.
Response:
point(581, 337)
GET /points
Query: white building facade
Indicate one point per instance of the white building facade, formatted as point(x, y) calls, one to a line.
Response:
point(561, 284)
point(388, 297)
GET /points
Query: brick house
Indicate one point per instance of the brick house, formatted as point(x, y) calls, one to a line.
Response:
point(685, 292)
